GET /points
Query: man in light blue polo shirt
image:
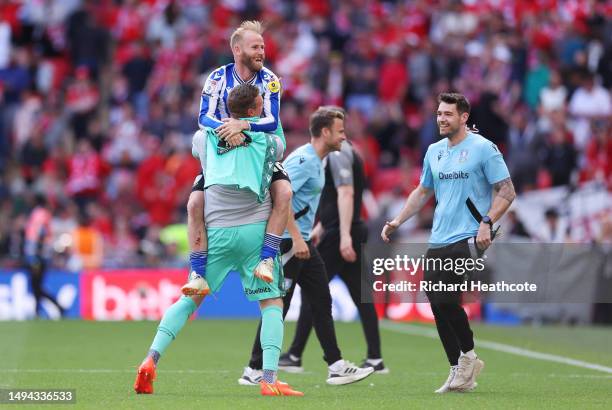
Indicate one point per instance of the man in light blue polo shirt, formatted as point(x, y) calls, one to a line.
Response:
point(469, 178)
point(307, 168)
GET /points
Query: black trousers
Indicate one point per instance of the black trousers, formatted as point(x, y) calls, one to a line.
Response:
point(451, 320)
point(350, 273)
point(37, 271)
point(311, 276)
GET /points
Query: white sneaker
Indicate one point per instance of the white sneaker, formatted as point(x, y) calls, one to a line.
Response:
point(446, 386)
point(197, 286)
point(265, 270)
point(467, 371)
point(478, 366)
point(345, 372)
point(250, 377)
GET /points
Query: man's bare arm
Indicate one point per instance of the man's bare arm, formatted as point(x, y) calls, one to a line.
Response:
point(415, 201)
point(299, 245)
point(346, 194)
point(503, 195)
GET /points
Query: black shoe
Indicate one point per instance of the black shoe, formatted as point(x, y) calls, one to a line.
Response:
point(290, 364)
point(378, 368)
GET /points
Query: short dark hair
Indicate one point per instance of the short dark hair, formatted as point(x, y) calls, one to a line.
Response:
point(241, 99)
point(323, 117)
point(463, 105)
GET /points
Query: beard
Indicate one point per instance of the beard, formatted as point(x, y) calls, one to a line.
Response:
point(449, 132)
point(251, 64)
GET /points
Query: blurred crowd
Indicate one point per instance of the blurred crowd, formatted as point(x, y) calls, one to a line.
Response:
point(99, 100)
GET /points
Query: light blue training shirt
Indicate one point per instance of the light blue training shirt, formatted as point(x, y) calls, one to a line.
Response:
point(468, 169)
point(305, 169)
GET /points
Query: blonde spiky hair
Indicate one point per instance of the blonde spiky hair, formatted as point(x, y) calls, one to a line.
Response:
point(249, 25)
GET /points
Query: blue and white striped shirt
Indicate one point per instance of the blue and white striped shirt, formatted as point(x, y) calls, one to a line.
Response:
point(213, 104)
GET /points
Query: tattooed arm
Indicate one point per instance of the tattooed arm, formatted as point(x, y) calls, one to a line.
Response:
point(503, 195)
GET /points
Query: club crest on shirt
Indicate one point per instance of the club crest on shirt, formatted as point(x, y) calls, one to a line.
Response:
point(210, 86)
point(463, 155)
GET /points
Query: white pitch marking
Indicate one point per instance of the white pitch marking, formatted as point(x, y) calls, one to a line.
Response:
point(500, 347)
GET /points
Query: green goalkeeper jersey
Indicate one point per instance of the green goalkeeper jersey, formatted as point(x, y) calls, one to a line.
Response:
point(249, 165)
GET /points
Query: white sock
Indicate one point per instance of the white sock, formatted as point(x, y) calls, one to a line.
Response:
point(471, 354)
point(334, 367)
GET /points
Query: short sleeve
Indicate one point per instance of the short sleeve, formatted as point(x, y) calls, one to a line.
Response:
point(426, 180)
point(493, 165)
point(198, 144)
point(280, 147)
point(298, 169)
point(341, 166)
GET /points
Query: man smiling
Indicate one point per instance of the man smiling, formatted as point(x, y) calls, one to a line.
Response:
point(248, 49)
point(465, 171)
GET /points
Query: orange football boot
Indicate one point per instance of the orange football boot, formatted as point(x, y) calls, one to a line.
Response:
point(145, 377)
point(278, 389)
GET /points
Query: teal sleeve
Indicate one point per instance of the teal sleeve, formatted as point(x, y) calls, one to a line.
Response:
point(255, 136)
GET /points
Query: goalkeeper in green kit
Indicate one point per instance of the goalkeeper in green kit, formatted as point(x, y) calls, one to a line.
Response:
point(237, 207)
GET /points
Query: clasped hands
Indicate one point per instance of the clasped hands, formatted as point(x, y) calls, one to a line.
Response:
point(231, 131)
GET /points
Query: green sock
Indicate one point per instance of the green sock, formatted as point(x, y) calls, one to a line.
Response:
point(172, 322)
point(271, 336)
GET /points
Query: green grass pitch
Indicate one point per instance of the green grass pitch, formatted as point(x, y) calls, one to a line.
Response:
point(200, 368)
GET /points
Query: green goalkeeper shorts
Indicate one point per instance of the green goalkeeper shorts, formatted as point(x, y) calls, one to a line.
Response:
point(238, 249)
